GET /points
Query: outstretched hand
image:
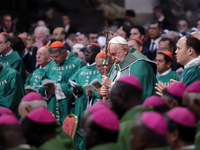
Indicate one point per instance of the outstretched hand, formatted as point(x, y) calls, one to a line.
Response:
point(160, 87)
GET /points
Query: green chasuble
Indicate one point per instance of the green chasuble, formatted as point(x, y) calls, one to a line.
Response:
point(15, 61)
point(139, 65)
point(185, 148)
point(56, 144)
point(197, 136)
point(35, 79)
point(108, 146)
point(62, 141)
point(166, 78)
point(159, 148)
point(126, 123)
point(23, 147)
point(83, 76)
point(11, 88)
point(59, 103)
point(190, 74)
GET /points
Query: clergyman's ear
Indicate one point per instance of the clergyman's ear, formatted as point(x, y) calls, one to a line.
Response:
point(28, 108)
point(125, 50)
point(190, 51)
point(174, 103)
point(169, 64)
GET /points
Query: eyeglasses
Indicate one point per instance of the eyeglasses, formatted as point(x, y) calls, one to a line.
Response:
point(54, 57)
point(2, 42)
point(100, 66)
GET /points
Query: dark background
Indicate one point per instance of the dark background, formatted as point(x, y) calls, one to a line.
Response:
point(83, 15)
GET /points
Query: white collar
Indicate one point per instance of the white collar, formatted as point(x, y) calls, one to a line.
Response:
point(161, 18)
point(67, 55)
point(67, 28)
point(49, 43)
point(25, 52)
point(9, 52)
point(91, 64)
point(156, 41)
point(188, 147)
point(24, 146)
point(164, 73)
point(193, 62)
point(43, 67)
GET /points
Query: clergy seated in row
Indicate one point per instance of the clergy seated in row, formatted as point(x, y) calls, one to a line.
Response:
point(173, 94)
point(187, 54)
point(164, 73)
point(11, 88)
point(100, 130)
point(149, 130)
point(35, 78)
point(181, 128)
point(11, 58)
point(41, 130)
point(126, 99)
point(63, 65)
point(191, 99)
point(100, 105)
point(82, 77)
point(130, 61)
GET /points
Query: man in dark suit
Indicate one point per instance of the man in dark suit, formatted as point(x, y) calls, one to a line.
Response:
point(158, 15)
point(6, 24)
point(67, 26)
point(59, 35)
point(167, 44)
point(138, 31)
point(155, 31)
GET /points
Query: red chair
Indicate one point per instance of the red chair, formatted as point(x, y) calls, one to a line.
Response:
point(70, 124)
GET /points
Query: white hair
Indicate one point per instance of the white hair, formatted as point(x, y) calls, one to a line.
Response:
point(43, 29)
point(34, 104)
point(174, 33)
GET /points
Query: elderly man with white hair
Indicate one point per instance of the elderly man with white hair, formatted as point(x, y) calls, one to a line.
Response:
point(30, 102)
point(41, 34)
point(129, 61)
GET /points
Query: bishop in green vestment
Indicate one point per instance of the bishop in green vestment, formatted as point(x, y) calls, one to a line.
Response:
point(62, 142)
point(63, 66)
point(191, 99)
point(164, 73)
point(191, 72)
point(165, 78)
point(37, 76)
point(11, 58)
point(126, 123)
point(11, 88)
point(187, 55)
point(82, 77)
point(130, 61)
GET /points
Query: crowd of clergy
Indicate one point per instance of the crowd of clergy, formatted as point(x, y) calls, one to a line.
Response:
point(136, 90)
